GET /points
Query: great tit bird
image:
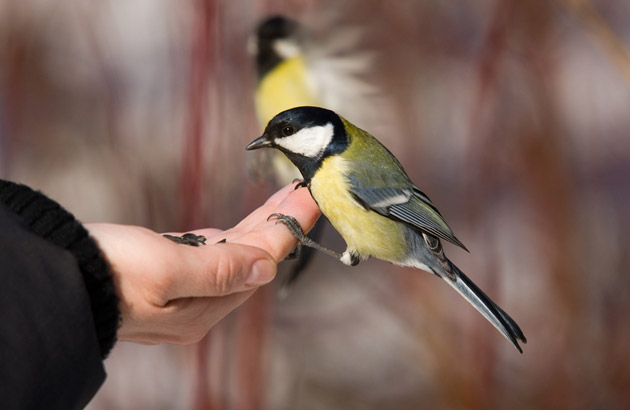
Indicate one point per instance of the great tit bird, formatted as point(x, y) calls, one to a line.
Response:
point(367, 196)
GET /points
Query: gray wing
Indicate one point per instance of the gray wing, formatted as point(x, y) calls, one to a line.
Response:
point(406, 204)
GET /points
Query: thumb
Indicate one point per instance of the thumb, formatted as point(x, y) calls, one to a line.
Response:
point(223, 269)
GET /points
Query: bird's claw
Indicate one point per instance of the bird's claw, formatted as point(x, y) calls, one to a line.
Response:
point(300, 183)
point(294, 227)
point(291, 223)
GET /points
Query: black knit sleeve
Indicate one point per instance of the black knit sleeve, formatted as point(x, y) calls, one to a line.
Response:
point(49, 220)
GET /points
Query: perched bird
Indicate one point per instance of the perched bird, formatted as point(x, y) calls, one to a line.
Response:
point(367, 196)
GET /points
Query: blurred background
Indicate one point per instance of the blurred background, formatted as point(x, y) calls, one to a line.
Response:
point(512, 116)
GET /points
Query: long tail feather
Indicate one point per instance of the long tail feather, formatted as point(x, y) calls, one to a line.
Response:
point(490, 310)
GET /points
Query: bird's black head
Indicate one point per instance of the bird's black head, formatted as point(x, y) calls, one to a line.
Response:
point(276, 39)
point(306, 135)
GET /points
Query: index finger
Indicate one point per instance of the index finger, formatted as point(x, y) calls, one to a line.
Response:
point(276, 239)
point(268, 207)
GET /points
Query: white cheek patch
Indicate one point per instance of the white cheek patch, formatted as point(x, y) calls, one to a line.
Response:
point(310, 142)
point(286, 48)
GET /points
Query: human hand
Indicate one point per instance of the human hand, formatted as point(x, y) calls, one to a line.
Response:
point(176, 293)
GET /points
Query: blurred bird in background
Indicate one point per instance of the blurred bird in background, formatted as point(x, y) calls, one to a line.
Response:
point(282, 81)
point(295, 69)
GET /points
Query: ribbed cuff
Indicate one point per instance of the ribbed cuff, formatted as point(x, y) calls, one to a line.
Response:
point(48, 219)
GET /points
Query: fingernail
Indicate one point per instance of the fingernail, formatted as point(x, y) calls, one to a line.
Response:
point(263, 271)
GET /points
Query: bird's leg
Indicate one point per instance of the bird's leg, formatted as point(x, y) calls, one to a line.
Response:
point(295, 253)
point(303, 240)
point(187, 239)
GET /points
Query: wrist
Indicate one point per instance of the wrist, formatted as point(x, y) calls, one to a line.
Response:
point(49, 220)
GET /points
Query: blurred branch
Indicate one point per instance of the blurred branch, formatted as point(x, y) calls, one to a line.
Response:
point(201, 73)
point(601, 31)
point(482, 113)
point(191, 210)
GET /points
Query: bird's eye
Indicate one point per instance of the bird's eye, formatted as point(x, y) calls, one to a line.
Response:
point(286, 131)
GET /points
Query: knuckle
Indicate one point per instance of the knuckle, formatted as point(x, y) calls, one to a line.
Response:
point(161, 288)
point(184, 338)
point(188, 334)
point(196, 336)
point(223, 278)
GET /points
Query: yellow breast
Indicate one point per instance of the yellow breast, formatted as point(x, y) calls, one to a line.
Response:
point(365, 232)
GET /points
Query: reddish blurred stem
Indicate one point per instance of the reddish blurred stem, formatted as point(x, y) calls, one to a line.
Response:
point(192, 167)
point(201, 71)
point(252, 344)
point(494, 46)
point(483, 111)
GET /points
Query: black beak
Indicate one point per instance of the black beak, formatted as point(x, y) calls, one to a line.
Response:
point(260, 142)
